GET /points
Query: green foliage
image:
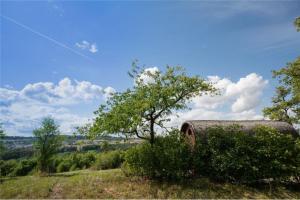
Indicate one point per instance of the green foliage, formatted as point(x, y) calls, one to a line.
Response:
point(223, 153)
point(7, 167)
point(73, 161)
point(234, 155)
point(47, 143)
point(169, 157)
point(109, 160)
point(17, 167)
point(138, 111)
point(24, 167)
point(64, 166)
point(105, 146)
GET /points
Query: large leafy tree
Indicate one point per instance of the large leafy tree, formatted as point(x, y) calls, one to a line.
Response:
point(286, 102)
point(48, 140)
point(142, 110)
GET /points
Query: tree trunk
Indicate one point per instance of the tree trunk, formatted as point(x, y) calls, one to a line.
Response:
point(152, 131)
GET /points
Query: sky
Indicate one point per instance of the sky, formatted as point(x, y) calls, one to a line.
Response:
point(64, 58)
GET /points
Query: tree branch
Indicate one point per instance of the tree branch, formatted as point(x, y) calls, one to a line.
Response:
point(166, 107)
point(141, 137)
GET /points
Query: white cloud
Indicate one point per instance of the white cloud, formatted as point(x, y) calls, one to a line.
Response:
point(22, 110)
point(108, 92)
point(85, 45)
point(93, 48)
point(237, 101)
point(242, 96)
point(65, 92)
point(145, 77)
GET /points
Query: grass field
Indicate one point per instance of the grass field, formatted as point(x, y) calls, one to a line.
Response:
point(113, 184)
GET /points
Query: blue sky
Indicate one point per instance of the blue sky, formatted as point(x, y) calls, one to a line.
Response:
point(90, 46)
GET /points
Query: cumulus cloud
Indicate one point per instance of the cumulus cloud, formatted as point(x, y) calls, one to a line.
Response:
point(21, 110)
point(108, 92)
point(85, 45)
point(236, 101)
point(242, 95)
point(65, 92)
point(146, 77)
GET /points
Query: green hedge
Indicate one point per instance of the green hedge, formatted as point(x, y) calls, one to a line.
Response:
point(233, 155)
point(227, 154)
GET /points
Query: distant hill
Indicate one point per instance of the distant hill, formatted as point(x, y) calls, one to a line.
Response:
point(12, 142)
point(21, 147)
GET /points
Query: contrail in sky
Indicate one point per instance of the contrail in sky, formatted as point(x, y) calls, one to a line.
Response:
point(45, 37)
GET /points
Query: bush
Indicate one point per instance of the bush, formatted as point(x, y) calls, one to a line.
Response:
point(64, 166)
point(24, 167)
point(277, 154)
point(168, 158)
point(109, 160)
point(17, 168)
point(73, 161)
point(227, 154)
point(7, 167)
point(86, 160)
point(233, 155)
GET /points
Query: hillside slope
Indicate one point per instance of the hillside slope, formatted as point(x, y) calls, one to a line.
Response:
point(113, 184)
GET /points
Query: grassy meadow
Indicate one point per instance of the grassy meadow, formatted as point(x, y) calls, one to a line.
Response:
point(113, 184)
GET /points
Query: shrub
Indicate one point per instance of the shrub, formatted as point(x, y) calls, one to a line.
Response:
point(64, 166)
point(233, 155)
point(276, 153)
point(109, 160)
point(82, 160)
point(168, 158)
point(7, 167)
point(86, 160)
point(73, 161)
point(55, 161)
point(105, 146)
point(24, 167)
